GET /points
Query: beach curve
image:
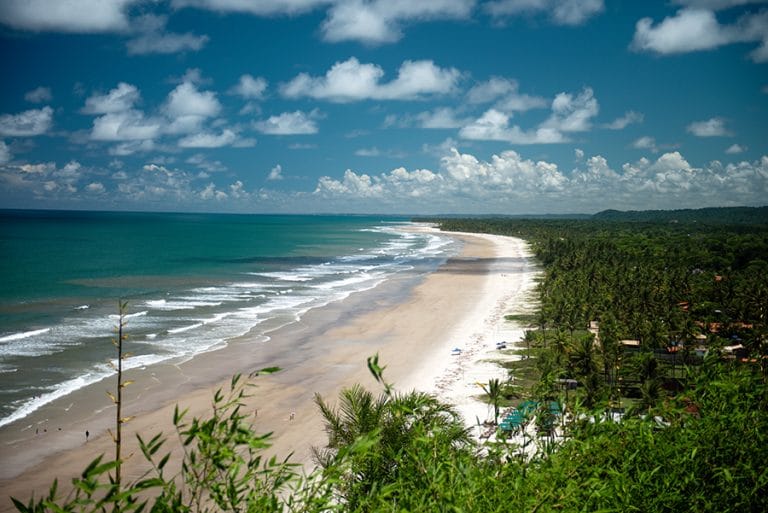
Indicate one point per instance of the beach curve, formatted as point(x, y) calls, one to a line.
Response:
point(462, 305)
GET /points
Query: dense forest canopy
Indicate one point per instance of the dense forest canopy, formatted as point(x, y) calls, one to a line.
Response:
point(656, 282)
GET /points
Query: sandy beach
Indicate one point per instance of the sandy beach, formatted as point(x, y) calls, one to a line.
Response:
point(461, 305)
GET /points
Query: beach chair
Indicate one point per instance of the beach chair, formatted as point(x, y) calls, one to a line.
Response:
point(528, 407)
point(512, 422)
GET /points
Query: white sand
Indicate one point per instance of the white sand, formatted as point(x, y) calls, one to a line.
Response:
point(508, 288)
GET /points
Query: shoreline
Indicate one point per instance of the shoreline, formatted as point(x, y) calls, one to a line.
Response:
point(461, 304)
point(509, 288)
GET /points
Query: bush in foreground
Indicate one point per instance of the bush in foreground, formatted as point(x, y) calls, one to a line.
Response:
point(706, 450)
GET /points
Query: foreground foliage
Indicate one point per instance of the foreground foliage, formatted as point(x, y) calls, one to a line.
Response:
point(222, 469)
point(708, 458)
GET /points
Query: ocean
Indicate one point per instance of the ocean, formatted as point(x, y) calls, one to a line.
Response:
point(192, 283)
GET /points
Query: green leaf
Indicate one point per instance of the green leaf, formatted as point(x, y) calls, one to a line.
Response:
point(100, 469)
point(163, 461)
point(21, 507)
point(266, 370)
point(92, 465)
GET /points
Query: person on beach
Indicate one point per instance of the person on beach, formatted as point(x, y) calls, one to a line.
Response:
point(293, 415)
point(87, 434)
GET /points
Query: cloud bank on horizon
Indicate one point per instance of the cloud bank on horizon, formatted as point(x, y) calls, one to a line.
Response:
point(383, 106)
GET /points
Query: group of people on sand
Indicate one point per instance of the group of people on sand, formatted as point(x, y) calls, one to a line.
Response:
point(45, 430)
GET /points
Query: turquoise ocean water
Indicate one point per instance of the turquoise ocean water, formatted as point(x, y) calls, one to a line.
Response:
point(192, 282)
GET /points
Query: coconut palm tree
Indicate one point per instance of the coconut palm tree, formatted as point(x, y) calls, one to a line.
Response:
point(584, 363)
point(494, 392)
point(370, 437)
point(647, 366)
point(359, 413)
point(650, 393)
point(528, 337)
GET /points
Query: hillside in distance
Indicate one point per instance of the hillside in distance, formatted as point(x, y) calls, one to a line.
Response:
point(711, 215)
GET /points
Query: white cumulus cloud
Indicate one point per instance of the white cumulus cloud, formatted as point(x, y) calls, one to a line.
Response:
point(688, 30)
point(187, 100)
point(368, 152)
point(201, 161)
point(44, 180)
point(735, 149)
point(121, 98)
point(717, 4)
point(380, 21)
point(5, 153)
point(210, 192)
point(629, 118)
point(157, 184)
point(209, 140)
point(695, 29)
point(491, 90)
point(504, 93)
point(26, 124)
point(645, 143)
point(66, 15)
point(95, 188)
point(126, 148)
point(39, 95)
point(165, 43)
point(357, 185)
point(562, 12)
point(151, 37)
point(713, 127)
point(569, 113)
point(366, 21)
point(288, 123)
point(441, 117)
point(185, 112)
point(573, 113)
point(508, 183)
point(119, 121)
point(250, 88)
point(494, 125)
point(351, 80)
point(507, 171)
point(237, 190)
point(188, 108)
point(129, 125)
point(255, 7)
point(276, 173)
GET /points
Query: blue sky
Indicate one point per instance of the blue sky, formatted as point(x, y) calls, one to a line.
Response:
point(383, 106)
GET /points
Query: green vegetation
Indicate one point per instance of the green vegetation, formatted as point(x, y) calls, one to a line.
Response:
point(375, 444)
point(693, 437)
point(117, 436)
point(722, 215)
point(522, 318)
point(676, 289)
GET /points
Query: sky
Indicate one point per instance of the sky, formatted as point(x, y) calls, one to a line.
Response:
point(383, 106)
